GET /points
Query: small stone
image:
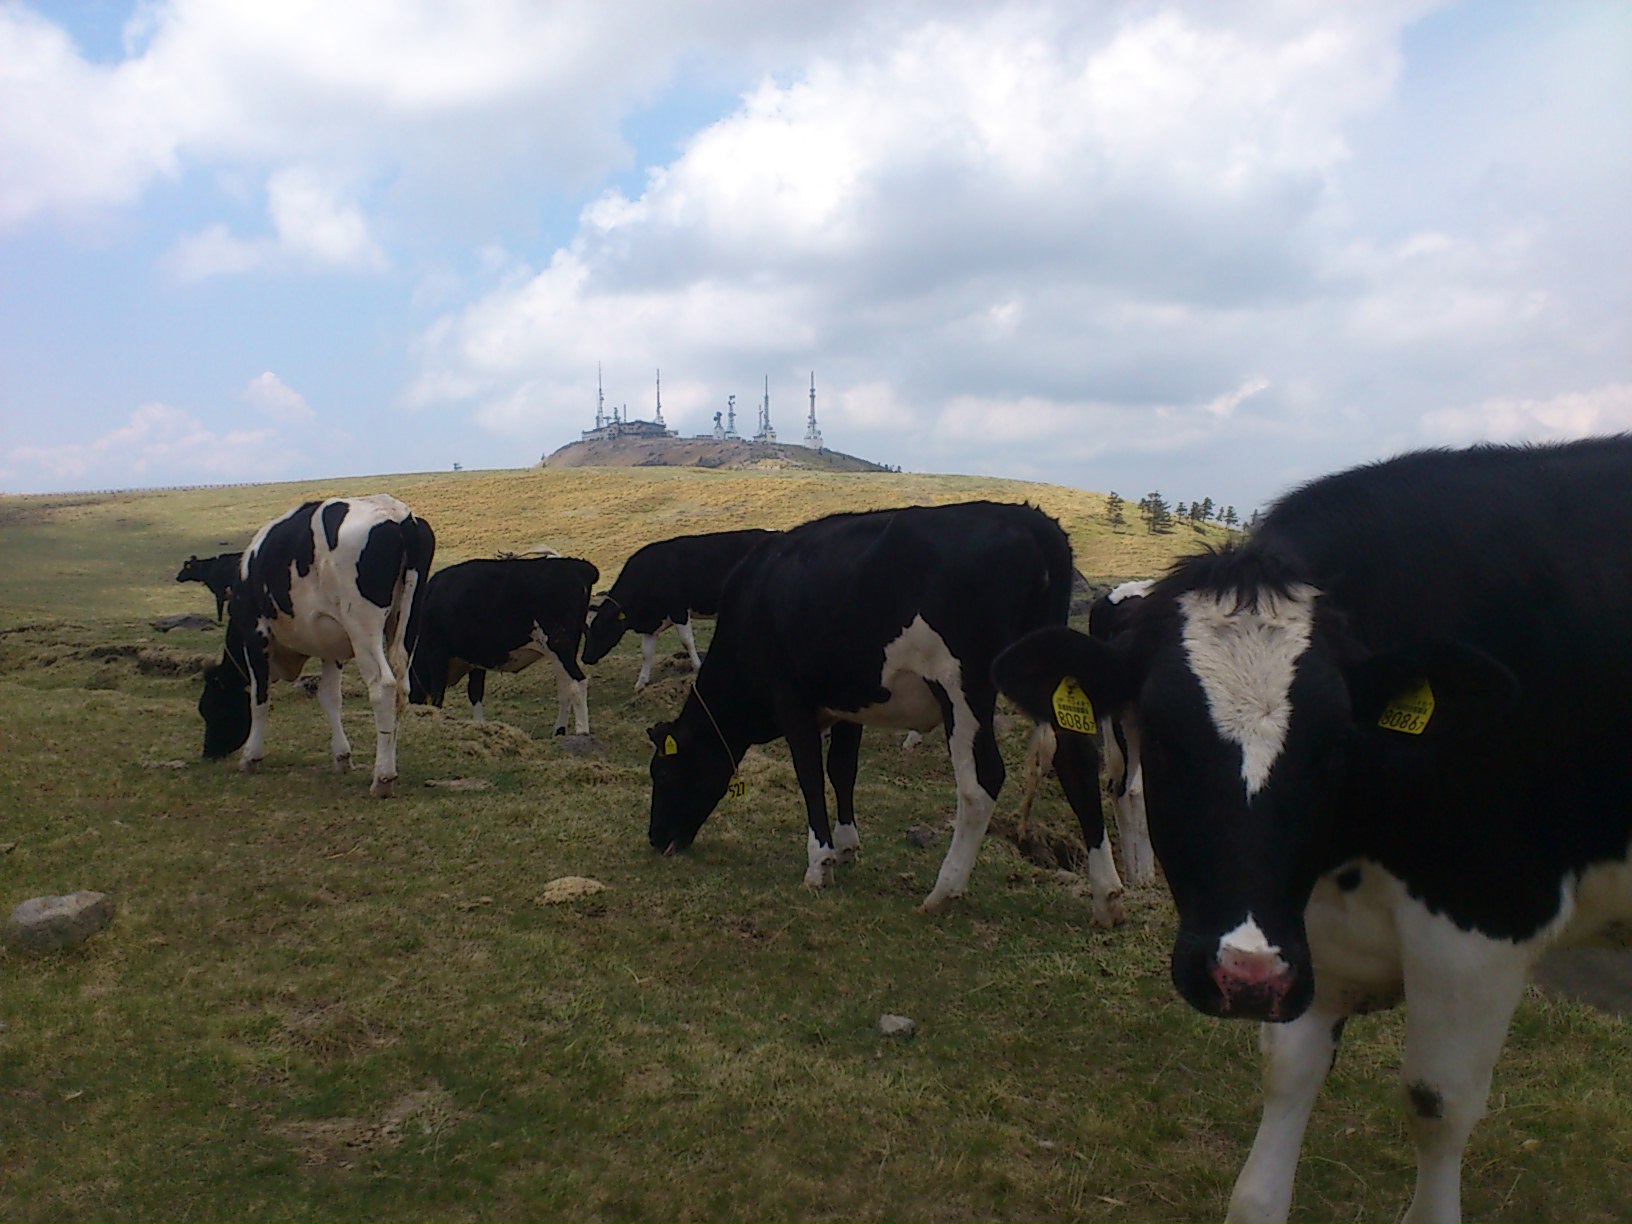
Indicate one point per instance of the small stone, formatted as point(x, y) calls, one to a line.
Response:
point(46, 924)
point(184, 620)
point(922, 836)
point(892, 1025)
point(569, 888)
point(581, 745)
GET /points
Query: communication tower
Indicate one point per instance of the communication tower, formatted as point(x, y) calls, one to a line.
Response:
point(813, 435)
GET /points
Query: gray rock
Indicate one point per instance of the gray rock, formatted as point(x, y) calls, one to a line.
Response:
point(922, 836)
point(581, 745)
point(47, 924)
point(184, 620)
point(896, 1026)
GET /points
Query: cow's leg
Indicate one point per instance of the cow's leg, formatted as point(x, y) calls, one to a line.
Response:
point(805, 746)
point(328, 697)
point(384, 695)
point(258, 669)
point(648, 648)
point(476, 690)
point(977, 765)
point(1128, 781)
point(571, 696)
point(688, 639)
point(1297, 1058)
point(1039, 757)
point(1461, 989)
point(1077, 763)
point(843, 754)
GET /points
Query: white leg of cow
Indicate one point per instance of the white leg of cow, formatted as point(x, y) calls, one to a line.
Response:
point(476, 714)
point(328, 697)
point(571, 696)
point(255, 745)
point(1461, 989)
point(819, 862)
point(1134, 830)
point(383, 694)
point(975, 802)
point(648, 648)
point(1297, 1058)
point(689, 640)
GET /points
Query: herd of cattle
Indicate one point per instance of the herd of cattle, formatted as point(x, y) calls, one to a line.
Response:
point(1383, 745)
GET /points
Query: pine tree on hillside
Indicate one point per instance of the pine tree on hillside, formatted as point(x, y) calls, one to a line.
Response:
point(1114, 506)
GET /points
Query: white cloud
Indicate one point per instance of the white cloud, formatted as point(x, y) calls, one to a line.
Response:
point(278, 401)
point(1573, 414)
point(158, 445)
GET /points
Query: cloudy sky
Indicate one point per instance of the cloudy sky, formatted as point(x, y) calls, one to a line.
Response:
point(1205, 248)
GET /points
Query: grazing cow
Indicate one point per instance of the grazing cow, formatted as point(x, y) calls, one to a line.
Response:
point(504, 615)
point(889, 618)
point(335, 579)
point(1120, 747)
point(665, 584)
point(1387, 746)
point(218, 573)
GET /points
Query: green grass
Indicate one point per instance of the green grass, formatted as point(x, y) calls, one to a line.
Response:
point(316, 1005)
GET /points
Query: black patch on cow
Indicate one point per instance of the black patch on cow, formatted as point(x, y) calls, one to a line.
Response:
point(287, 541)
point(1426, 1100)
point(380, 563)
point(1348, 879)
point(333, 515)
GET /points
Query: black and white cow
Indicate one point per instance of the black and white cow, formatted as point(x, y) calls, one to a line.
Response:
point(667, 583)
point(218, 573)
point(504, 615)
point(890, 618)
point(334, 579)
point(1387, 746)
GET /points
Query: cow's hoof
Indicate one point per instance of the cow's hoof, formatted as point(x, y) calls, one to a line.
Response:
point(383, 788)
point(560, 731)
point(847, 843)
point(819, 875)
point(248, 766)
point(640, 684)
point(936, 903)
point(342, 763)
point(1108, 910)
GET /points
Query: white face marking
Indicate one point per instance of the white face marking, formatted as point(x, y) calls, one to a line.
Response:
point(1245, 661)
point(1248, 938)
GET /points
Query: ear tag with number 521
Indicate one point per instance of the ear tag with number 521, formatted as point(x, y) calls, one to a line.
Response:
point(1072, 709)
point(1409, 712)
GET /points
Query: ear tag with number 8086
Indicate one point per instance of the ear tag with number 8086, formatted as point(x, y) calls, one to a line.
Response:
point(1072, 709)
point(1409, 712)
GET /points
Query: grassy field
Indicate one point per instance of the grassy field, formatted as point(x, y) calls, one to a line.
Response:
point(316, 1005)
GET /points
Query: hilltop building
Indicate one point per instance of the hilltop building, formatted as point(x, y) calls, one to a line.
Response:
point(609, 428)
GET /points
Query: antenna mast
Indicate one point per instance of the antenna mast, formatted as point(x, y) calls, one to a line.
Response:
point(813, 435)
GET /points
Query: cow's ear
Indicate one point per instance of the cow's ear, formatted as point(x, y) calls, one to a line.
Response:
point(1434, 690)
point(662, 737)
point(1032, 671)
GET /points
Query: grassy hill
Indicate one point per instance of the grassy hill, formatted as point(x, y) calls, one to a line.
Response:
point(314, 1005)
point(109, 555)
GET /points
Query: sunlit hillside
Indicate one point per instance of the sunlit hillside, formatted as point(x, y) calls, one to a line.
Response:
point(116, 554)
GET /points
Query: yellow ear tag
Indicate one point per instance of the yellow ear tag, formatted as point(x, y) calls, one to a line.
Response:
point(738, 787)
point(670, 748)
point(1409, 712)
point(1072, 709)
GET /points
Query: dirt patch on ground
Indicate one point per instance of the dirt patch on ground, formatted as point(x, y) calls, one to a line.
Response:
point(1598, 977)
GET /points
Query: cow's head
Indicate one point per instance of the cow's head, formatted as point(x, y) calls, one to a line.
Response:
point(224, 706)
point(1257, 718)
point(607, 624)
point(192, 570)
point(691, 768)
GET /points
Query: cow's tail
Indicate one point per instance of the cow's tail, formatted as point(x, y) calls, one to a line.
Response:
point(1051, 604)
point(418, 550)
